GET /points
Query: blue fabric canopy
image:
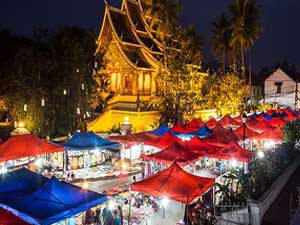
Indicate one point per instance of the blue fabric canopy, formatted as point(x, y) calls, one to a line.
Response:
point(89, 141)
point(160, 131)
point(203, 132)
point(53, 202)
point(19, 181)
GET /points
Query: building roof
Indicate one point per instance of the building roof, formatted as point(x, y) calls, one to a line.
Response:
point(128, 28)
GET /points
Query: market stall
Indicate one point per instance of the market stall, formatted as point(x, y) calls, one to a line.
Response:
point(85, 150)
point(20, 150)
point(52, 202)
point(174, 183)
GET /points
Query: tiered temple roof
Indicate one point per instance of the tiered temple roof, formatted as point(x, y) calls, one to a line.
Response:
point(128, 29)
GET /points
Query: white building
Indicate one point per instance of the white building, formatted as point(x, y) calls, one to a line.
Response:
point(282, 89)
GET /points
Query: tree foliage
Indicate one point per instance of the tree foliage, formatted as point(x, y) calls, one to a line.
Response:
point(224, 93)
point(179, 80)
point(55, 67)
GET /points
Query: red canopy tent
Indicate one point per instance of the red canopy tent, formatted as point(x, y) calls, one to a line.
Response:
point(258, 125)
point(227, 121)
point(164, 141)
point(220, 137)
point(175, 152)
point(211, 123)
point(249, 134)
point(199, 146)
point(232, 151)
point(7, 218)
point(238, 118)
point(26, 145)
point(195, 123)
point(175, 184)
point(135, 138)
point(276, 122)
point(271, 133)
point(191, 126)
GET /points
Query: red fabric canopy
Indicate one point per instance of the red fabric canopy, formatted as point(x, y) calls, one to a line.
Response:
point(175, 184)
point(258, 125)
point(220, 137)
point(271, 133)
point(199, 146)
point(211, 123)
point(135, 138)
point(164, 141)
point(249, 134)
point(227, 121)
point(232, 151)
point(26, 145)
point(191, 126)
point(238, 118)
point(7, 218)
point(195, 123)
point(175, 152)
point(276, 122)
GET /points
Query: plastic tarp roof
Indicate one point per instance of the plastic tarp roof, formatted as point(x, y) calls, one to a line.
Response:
point(202, 132)
point(192, 126)
point(160, 131)
point(7, 218)
point(53, 202)
point(175, 152)
point(89, 141)
point(26, 145)
point(19, 181)
point(232, 151)
point(175, 184)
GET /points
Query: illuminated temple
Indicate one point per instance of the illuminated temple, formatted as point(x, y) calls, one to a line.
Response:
point(129, 41)
point(133, 58)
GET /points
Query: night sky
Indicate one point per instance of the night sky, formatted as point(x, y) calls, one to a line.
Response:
point(280, 18)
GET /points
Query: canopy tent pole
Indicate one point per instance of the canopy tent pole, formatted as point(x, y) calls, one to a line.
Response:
point(187, 210)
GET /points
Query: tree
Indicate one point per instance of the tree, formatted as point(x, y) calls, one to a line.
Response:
point(180, 80)
point(245, 28)
point(224, 93)
point(221, 38)
point(164, 17)
point(56, 68)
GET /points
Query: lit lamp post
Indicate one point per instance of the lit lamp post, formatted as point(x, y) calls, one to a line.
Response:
point(244, 118)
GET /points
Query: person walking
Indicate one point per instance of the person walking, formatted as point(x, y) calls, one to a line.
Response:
point(98, 217)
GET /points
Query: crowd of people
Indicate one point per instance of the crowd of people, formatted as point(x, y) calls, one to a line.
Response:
point(105, 217)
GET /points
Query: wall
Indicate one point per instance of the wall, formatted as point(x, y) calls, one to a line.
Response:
point(288, 89)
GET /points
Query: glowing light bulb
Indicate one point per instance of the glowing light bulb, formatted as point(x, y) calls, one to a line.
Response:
point(260, 154)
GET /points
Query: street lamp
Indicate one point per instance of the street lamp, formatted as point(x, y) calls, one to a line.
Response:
point(244, 118)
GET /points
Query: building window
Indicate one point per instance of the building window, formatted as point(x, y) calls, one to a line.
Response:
point(278, 87)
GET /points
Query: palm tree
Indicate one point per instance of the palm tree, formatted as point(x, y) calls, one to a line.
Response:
point(245, 27)
point(221, 38)
point(164, 16)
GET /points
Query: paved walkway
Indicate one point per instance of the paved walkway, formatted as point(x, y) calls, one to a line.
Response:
point(279, 212)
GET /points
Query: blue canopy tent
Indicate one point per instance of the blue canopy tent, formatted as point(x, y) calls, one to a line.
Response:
point(160, 131)
point(89, 141)
point(19, 181)
point(53, 202)
point(203, 132)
